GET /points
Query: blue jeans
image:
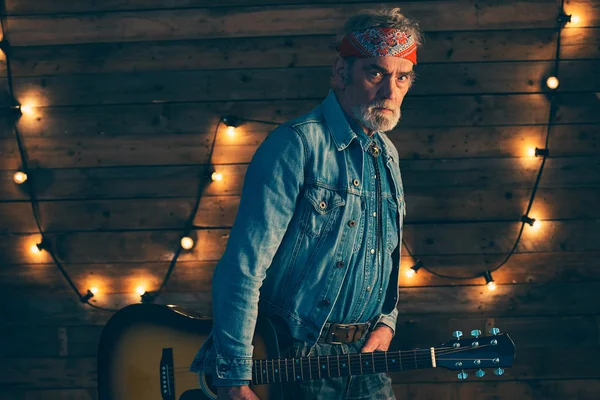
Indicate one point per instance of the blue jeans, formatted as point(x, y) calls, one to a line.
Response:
point(356, 387)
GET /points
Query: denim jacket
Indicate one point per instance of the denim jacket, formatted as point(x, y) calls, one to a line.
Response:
point(283, 256)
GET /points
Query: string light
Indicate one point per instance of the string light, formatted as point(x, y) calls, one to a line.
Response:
point(413, 270)
point(87, 296)
point(19, 177)
point(575, 19)
point(489, 281)
point(217, 176)
point(231, 131)
point(140, 290)
point(232, 122)
point(541, 152)
point(527, 220)
point(187, 242)
point(94, 290)
point(552, 82)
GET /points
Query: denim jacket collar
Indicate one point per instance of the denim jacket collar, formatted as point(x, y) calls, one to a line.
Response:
point(341, 129)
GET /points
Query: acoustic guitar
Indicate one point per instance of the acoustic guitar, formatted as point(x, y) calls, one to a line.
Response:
point(145, 351)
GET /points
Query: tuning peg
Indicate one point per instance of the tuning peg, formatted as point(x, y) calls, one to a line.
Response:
point(498, 371)
point(476, 333)
point(462, 375)
point(494, 331)
point(457, 334)
point(480, 373)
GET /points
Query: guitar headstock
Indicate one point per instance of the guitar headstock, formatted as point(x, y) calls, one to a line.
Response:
point(496, 351)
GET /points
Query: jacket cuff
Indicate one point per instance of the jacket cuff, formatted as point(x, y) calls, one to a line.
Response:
point(388, 320)
point(239, 369)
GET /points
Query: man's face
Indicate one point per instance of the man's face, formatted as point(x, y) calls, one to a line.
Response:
point(375, 88)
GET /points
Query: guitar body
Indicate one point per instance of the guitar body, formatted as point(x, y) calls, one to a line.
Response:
point(145, 351)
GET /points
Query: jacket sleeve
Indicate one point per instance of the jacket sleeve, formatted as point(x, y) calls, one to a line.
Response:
point(273, 182)
point(389, 320)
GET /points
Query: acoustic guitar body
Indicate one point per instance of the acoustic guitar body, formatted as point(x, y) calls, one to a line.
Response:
point(145, 351)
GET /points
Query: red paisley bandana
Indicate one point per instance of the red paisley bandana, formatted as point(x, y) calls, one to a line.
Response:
point(379, 42)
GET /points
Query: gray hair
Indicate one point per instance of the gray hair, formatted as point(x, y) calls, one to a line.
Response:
point(378, 18)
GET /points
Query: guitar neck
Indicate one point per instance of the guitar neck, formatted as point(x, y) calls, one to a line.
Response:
point(295, 369)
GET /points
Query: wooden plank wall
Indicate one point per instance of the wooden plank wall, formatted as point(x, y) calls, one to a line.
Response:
point(126, 95)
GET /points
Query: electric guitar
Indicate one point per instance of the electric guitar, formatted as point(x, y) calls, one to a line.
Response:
point(145, 351)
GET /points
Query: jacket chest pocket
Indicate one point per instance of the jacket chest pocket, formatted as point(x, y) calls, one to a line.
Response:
point(392, 234)
point(322, 207)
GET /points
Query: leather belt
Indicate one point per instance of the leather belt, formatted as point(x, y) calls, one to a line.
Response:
point(345, 333)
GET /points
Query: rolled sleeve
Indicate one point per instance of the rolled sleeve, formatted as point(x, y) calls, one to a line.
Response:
point(273, 181)
point(389, 320)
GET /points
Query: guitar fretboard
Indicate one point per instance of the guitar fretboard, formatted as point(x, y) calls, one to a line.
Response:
point(296, 369)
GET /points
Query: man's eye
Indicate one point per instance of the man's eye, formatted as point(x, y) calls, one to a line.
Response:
point(374, 73)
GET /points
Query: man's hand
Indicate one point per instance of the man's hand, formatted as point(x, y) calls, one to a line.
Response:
point(379, 339)
point(235, 393)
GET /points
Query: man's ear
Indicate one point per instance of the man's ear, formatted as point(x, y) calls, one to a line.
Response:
point(340, 72)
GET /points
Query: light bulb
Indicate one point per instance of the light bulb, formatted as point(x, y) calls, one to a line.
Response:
point(187, 242)
point(35, 249)
point(231, 131)
point(575, 19)
point(141, 290)
point(94, 290)
point(552, 82)
point(217, 176)
point(26, 109)
point(19, 177)
point(491, 285)
point(410, 273)
point(531, 152)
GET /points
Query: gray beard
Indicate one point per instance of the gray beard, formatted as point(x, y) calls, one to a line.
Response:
point(376, 121)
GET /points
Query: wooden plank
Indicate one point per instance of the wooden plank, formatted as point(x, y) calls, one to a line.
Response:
point(529, 389)
point(544, 299)
point(185, 149)
point(49, 394)
point(196, 23)
point(579, 43)
point(195, 276)
point(289, 51)
point(495, 238)
point(174, 181)
point(296, 83)
point(24, 7)
point(426, 205)
point(201, 118)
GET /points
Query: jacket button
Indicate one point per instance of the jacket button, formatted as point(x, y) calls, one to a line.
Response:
point(356, 182)
point(351, 223)
point(322, 205)
point(339, 264)
point(324, 303)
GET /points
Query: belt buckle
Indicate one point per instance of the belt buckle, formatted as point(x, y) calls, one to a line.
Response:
point(350, 329)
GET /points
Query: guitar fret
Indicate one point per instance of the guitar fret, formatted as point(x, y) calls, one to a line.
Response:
point(360, 359)
point(416, 365)
point(287, 377)
point(273, 368)
point(349, 364)
point(318, 366)
point(309, 368)
point(373, 360)
point(301, 369)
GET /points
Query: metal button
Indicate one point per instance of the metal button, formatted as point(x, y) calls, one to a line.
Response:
point(356, 182)
point(368, 288)
point(351, 223)
point(339, 264)
point(323, 205)
point(374, 214)
point(324, 302)
point(372, 251)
